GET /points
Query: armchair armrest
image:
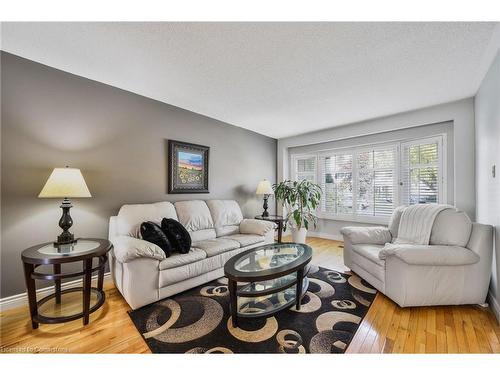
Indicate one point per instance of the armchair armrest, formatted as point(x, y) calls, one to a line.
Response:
point(254, 226)
point(126, 249)
point(367, 235)
point(430, 255)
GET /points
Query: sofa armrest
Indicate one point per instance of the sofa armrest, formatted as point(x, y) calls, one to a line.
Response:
point(367, 235)
point(126, 249)
point(254, 226)
point(430, 255)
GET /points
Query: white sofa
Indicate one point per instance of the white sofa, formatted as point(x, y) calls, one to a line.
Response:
point(143, 274)
point(454, 269)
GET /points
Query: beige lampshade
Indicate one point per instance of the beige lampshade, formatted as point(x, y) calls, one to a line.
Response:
point(264, 187)
point(65, 183)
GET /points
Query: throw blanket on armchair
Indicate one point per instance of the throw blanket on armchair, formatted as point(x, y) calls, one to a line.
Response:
point(415, 228)
point(416, 223)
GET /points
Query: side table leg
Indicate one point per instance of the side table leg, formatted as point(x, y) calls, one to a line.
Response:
point(31, 289)
point(280, 230)
point(233, 302)
point(300, 277)
point(100, 277)
point(57, 270)
point(87, 279)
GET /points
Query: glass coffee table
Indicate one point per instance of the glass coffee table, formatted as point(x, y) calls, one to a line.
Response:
point(267, 279)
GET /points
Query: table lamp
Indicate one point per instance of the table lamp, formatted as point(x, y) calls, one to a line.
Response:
point(65, 183)
point(264, 188)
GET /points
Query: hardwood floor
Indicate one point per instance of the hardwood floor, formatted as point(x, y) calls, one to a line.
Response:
point(385, 329)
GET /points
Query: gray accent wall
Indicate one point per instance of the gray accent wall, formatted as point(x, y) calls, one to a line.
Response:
point(487, 111)
point(119, 140)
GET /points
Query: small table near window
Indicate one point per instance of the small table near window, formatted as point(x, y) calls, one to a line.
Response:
point(83, 250)
point(275, 219)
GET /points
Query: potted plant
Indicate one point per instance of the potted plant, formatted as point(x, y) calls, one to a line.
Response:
point(300, 199)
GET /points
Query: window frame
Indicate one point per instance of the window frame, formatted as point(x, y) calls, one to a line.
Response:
point(397, 185)
point(295, 172)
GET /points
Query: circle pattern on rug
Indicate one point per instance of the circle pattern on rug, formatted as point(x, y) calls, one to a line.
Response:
point(329, 342)
point(355, 281)
point(290, 342)
point(334, 277)
point(344, 304)
point(212, 316)
point(214, 291)
point(262, 334)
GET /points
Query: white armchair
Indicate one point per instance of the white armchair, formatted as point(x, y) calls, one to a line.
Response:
point(454, 269)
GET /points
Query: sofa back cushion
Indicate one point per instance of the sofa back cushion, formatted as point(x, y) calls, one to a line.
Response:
point(195, 217)
point(451, 227)
point(131, 216)
point(226, 215)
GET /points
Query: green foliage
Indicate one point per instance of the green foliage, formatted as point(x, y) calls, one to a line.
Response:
point(300, 198)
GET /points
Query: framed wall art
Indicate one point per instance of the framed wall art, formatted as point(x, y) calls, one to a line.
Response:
point(187, 168)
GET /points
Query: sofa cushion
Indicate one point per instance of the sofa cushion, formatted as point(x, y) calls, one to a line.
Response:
point(254, 226)
point(451, 227)
point(177, 235)
point(216, 246)
point(201, 235)
point(153, 233)
point(127, 248)
point(131, 216)
point(430, 255)
point(367, 235)
point(225, 213)
point(174, 275)
point(178, 260)
point(227, 230)
point(245, 239)
point(194, 215)
point(370, 252)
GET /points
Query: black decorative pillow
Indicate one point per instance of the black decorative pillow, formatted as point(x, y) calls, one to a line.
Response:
point(153, 233)
point(178, 235)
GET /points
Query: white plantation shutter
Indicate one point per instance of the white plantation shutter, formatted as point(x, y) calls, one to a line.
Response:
point(421, 178)
point(305, 168)
point(366, 183)
point(336, 171)
point(376, 182)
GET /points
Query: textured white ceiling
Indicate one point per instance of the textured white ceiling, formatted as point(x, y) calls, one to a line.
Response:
point(278, 79)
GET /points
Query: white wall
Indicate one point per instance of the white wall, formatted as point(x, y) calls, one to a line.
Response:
point(487, 113)
point(460, 113)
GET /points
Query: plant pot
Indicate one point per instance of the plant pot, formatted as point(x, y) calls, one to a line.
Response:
point(299, 235)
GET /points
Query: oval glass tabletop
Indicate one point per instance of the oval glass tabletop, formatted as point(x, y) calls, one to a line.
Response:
point(269, 257)
point(80, 246)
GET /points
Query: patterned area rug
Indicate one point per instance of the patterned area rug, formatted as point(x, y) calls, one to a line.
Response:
point(198, 321)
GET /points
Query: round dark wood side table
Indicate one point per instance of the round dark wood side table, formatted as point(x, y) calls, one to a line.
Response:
point(275, 219)
point(84, 250)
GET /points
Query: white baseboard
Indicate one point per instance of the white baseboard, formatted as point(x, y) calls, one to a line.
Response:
point(18, 300)
point(327, 236)
point(495, 306)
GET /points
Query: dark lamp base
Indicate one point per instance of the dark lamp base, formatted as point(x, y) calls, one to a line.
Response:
point(265, 213)
point(66, 237)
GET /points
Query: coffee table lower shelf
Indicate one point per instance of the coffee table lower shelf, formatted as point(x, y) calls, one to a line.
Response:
point(268, 304)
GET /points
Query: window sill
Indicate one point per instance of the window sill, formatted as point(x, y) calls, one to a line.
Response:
point(384, 220)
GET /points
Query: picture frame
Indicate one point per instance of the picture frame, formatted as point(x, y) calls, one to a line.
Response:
point(188, 165)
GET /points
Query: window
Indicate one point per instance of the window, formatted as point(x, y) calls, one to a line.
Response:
point(336, 183)
point(305, 168)
point(376, 180)
point(367, 183)
point(421, 171)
